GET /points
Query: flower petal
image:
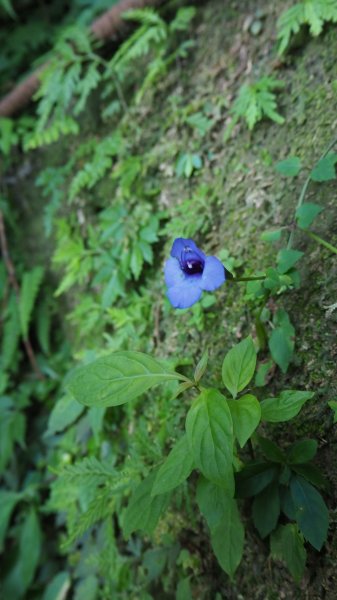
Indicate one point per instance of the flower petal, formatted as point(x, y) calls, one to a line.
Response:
point(174, 275)
point(186, 294)
point(213, 275)
point(179, 246)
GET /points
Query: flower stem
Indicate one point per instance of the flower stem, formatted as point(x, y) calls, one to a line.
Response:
point(318, 239)
point(238, 279)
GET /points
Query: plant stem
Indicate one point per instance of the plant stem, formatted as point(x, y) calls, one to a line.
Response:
point(318, 239)
point(305, 187)
point(238, 279)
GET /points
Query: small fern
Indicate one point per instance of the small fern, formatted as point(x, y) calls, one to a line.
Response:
point(99, 508)
point(96, 168)
point(30, 286)
point(255, 102)
point(313, 13)
point(90, 470)
point(59, 127)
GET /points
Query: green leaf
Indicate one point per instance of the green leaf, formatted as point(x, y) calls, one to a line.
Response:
point(30, 546)
point(333, 406)
point(285, 406)
point(227, 539)
point(223, 519)
point(325, 168)
point(254, 478)
point(209, 430)
point(176, 468)
point(281, 347)
point(64, 413)
point(29, 289)
point(271, 236)
point(8, 501)
point(311, 474)
point(290, 167)
point(238, 366)
point(306, 213)
point(262, 373)
point(117, 378)
point(286, 544)
point(312, 514)
point(266, 509)
point(184, 590)
point(144, 510)
point(201, 367)
point(246, 415)
point(58, 588)
point(287, 258)
point(271, 451)
point(302, 451)
point(87, 588)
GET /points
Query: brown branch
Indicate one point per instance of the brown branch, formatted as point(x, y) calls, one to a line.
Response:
point(14, 284)
point(108, 26)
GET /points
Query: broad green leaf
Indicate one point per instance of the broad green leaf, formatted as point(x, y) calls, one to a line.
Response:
point(201, 367)
point(262, 373)
point(144, 510)
point(286, 544)
point(209, 430)
point(290, 167)
point(281, 347)
point(184, 590)
point(117, 378)
point(266, 509)
point(176, 468)
point(238, 366)
point(312, 514)
point(254, 478)
point(8, 501)
point(302, 451)
point(58, 588)
point(29, 289)
point(306, 213)
point(311, 473)
point(64, 413)
point(325, 168)
point(227, 539)
point(271, 451)
point(271, 236)
point(287, 505)
point(222, 516)
point(87, 588)
point(285, 406)
point(30, 546)
point(287, 258)
point(333, 406)
point(246, 415)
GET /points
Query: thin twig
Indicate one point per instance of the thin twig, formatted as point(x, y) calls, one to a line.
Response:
point(14, 284)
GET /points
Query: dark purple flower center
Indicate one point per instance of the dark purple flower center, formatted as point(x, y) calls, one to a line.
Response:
point(191, 263)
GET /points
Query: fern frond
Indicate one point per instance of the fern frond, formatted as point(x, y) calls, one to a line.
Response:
point(90, 470)
point(94, 170)
point(256, 101)
point(64, 126)
point(29, 290)
point(100, 507)
point(313, 13)
point(183, 18)
point(86, 86)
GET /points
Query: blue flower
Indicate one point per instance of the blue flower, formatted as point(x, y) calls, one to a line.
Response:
point(189, 271)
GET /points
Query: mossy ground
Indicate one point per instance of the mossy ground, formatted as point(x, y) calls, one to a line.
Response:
point(249, 197)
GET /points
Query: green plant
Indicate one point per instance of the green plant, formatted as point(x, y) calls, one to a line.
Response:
point(314, 13)
point(256, 101)
point(215, 427)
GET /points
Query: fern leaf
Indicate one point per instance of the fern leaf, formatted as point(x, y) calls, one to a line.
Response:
point(313, 13)
point(86, 86)
point(30, 286)
point(101, 507)
point(90, 470)
point(256, 101)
